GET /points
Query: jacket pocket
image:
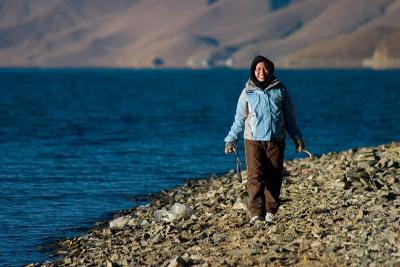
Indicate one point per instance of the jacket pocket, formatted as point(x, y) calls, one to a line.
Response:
point(277, 100)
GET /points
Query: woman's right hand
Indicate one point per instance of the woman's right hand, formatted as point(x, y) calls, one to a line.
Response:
point(230, 147)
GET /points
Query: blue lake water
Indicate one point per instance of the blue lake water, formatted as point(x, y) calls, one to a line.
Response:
point(76, 144)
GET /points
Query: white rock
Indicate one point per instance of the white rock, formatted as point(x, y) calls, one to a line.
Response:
point(144, 222)
point(119, 222)
point(176, 262)
point(195, 257)
point(239, 206)
point(176, 212)
point(163, 215)
point(181, 211)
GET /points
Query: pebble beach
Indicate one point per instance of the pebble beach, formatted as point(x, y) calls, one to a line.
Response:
point(337, 209)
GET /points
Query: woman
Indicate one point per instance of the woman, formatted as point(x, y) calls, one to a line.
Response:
point(265, 111)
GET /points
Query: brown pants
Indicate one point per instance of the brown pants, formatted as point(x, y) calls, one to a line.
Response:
point(264, 160)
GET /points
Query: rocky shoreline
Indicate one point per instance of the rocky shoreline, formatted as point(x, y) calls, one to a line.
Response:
point(338, 209)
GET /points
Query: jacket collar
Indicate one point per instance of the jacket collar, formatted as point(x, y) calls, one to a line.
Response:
point(251, 86)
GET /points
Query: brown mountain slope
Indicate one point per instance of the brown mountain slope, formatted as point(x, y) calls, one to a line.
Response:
point(338, 17)
point(182, 33)
point(36, 34)
point(21, 20)
point(16, 12)
point(353, 48)
point(335, 52)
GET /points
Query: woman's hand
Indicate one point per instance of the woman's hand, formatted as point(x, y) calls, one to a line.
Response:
point(230, 147)
point(299, 144)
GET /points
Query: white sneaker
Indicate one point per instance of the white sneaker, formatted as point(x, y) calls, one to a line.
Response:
point(269, 217)
point(255, 219)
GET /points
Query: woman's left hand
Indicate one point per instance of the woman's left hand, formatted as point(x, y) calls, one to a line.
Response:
point(299, 144)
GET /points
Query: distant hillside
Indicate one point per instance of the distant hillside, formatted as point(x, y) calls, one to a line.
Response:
point(200, 33)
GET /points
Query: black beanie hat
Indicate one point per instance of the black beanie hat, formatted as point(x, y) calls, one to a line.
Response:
point(270, 67)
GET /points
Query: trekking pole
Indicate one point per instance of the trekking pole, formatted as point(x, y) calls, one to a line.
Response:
point(311, 155)
point(239, 172)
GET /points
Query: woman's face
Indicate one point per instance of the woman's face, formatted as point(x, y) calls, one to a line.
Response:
point(261, 71)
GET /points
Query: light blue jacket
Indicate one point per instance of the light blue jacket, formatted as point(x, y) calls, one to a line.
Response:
point(264, 114)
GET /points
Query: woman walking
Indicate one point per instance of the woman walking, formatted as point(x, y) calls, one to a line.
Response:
point(265, 111)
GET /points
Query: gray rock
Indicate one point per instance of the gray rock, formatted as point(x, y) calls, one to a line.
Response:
point(177, 262)
point(106, 232)
point(114, 257)
point(319, 221)
point(119, 223)
point(218, 238)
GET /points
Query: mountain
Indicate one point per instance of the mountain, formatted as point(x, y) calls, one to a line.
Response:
point(200, 33)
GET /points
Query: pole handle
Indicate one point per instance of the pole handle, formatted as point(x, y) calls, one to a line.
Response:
point(309, 154)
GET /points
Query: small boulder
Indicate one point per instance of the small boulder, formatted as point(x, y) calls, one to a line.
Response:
point(119, 223)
